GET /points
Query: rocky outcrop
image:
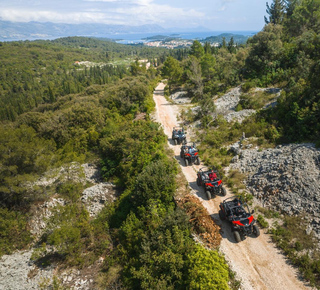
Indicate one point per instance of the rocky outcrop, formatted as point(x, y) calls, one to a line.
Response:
point(180, 98)
point(286, 179)
point(226, 105)
point(95, 197)
point(228, 102)
point(17, 272)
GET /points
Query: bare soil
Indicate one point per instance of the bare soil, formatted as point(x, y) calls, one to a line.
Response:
point(258, 264)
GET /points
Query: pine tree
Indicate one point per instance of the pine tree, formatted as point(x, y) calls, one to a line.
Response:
point(224, 43)
point(276, 12)
point(231, 45)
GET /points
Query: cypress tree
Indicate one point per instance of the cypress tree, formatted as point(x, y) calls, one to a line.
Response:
point(276, 12)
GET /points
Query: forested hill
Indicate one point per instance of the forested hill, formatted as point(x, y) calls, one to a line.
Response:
point(237, 38)
point(38, 72)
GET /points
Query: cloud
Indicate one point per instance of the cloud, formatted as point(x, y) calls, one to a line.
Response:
point(128, 12)
point(179, 13)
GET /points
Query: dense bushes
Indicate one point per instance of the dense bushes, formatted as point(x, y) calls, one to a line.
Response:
point(14, 232)
point(207, 270)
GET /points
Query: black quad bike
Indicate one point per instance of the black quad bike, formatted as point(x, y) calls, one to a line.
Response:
point(189, 153)
point(237, 213)
point(179, 135)
point(211, 182)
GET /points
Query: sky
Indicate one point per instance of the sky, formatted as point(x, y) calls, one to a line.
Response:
point(215, 15)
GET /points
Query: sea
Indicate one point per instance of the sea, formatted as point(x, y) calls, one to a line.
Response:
point(135, 38)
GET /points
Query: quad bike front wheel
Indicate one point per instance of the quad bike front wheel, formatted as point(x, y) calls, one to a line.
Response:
point(256, 230)
point(186, 161)
point(221, 215)
point(198, 181)
point(237, 236)
point(208, 193)
point(175, 142)
point(223, 191)
point(197, 161)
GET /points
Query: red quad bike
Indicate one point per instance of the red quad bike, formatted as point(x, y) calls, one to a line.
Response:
point(237, 213)
point(189, 153)
point(212, 186)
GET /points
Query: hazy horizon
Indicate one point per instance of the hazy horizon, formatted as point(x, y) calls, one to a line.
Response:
point(220, 15)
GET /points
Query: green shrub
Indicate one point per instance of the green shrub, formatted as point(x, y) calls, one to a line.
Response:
point(261, 220)
point(71, 190)
point(14, 232)
point(207, 270)
point(248, 85)
point(155, 182)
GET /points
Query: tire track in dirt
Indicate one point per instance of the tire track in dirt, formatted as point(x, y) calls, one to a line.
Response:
point(256, 261)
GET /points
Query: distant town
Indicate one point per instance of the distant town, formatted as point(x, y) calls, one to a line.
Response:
point(182, 43)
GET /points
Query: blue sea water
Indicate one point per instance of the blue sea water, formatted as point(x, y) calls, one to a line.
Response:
point(139, 37)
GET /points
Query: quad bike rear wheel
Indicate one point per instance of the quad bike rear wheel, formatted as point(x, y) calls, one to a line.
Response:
point(256, 230)
point(237, 236)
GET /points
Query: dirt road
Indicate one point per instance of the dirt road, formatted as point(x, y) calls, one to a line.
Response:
point(256, 261)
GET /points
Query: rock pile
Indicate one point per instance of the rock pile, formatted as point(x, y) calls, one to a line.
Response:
point(286, 179)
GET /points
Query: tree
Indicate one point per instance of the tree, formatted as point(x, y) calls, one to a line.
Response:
point(207, 48)
point(197, 49)
point(231, 45)
point(224, 43)
point(305, 16)
point(195, 76)
point(266, 49)
point(208, 63)
point(172, 71)
point(276, 12)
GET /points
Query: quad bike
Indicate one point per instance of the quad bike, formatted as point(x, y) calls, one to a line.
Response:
point(179, 135)
point(211, 182)
point(237, 213)
point(189, 153)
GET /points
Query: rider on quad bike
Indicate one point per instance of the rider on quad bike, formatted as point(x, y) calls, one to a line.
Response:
point(179, 135)
point(190, 154)
point(211, 182)
point(237, 213)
